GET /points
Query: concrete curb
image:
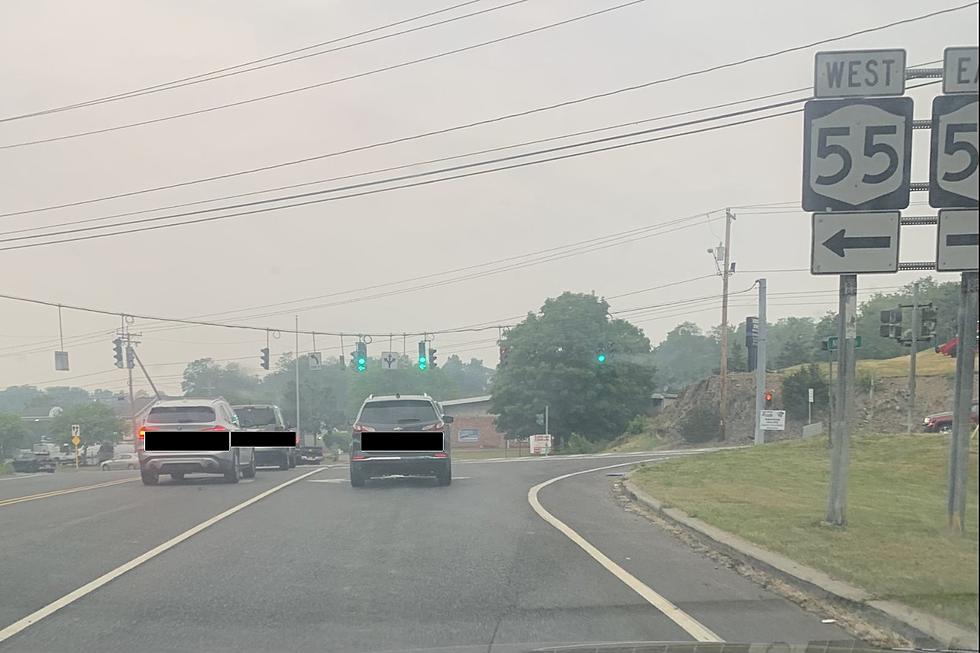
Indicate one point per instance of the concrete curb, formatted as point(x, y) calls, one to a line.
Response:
point(901, 618)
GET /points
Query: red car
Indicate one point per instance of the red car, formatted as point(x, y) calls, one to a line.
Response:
point(943, 422)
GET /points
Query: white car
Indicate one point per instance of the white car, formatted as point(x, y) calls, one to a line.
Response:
point(121, 461)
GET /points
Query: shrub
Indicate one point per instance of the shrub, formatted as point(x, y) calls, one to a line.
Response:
point(700, 424)
point(580, 444)
point(796, 394)
point(637, 425)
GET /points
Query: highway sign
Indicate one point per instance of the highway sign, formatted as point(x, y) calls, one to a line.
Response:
point(389, 360)
point(316, 360)
point(849, 243)
point(957, 245)
point(953, 179)
point(960, 70)
point(857, 154)
point(772, 420)
point(859, 73)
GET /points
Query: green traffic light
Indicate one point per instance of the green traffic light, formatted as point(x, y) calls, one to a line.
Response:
point(601, 358)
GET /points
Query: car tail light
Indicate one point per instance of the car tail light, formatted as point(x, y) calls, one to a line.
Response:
point(438, 426)
point(215, 428)
point(358, 456)
point(361, 428)
point(440, 454)
point(143, 430)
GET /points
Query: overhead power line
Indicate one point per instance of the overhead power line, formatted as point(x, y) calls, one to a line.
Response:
point(337, 80)
point(243, 67)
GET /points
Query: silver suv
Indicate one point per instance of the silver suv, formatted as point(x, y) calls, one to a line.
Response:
point(193, 415)
point(266, 417)
point(401, 435)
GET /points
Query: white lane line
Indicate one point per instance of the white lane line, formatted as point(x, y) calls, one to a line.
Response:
point(19, 476)
point(692, 626)
point(591, 456)
point(90, 587)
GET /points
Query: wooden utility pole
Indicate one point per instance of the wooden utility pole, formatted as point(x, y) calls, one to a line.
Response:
point(725, 273)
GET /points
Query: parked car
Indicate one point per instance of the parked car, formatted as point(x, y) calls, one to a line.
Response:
point(193, 415)
point(30, 462)
point(122, 461)
point(266, 417)
point(942, 422)
point(400, 434)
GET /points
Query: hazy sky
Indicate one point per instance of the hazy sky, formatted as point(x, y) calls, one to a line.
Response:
point(60, 52)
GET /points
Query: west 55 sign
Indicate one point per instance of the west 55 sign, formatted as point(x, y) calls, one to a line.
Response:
point(857, 154)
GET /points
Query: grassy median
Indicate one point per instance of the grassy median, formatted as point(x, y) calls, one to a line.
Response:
point(896, 544)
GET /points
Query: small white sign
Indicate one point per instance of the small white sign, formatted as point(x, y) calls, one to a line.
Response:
point(389, 360)
point(859, 73)
point(851, 243)
point(960, 70)
point(772, 420)
point(316, 360)
point(540, 444)
point(958, 244)
point(810, 394)
point(76, 430)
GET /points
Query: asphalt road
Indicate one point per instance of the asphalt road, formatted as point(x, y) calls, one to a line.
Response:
point(399, 565)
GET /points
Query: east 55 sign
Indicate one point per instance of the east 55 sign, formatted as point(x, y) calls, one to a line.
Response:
point(857, 154)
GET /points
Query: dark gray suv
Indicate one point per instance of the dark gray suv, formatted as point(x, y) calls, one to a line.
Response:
point(404, 435)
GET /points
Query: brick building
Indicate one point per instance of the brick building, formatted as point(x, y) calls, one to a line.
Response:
point(473, 423)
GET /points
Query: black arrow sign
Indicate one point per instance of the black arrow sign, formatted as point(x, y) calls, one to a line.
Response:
point(962, 240)
point(839, 242)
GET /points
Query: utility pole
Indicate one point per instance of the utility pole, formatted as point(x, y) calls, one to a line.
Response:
point(843, 408)
point(915, 340)
point(760, 366)
point(296, 361)
point(725, 272)
point(125, 335)
point(959, 447)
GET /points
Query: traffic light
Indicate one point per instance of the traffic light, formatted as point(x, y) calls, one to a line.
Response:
point(361, 358)
point(927, 322)
point(118, 352)
point(891, 324)
point(432, 358)
point(423, 359)
point(768, 397)
point(503, 355)
point(264, 360)
point(130, 357)
point(600, 357)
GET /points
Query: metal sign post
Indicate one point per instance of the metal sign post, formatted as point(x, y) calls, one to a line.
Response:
point(760, 366)
point(959, 450)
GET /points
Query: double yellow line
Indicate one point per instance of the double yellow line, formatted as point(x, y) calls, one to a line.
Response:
point(58, 493)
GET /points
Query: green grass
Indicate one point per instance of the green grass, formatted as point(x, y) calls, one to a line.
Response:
point(6, 468)
point(927, 363)
point(480, 454)
point(896, 544)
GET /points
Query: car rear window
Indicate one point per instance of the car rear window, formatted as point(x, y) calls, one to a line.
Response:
point(180, 414)
point(398, 412)
point(252, 416)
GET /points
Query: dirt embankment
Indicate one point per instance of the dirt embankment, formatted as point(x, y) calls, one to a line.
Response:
point(881, 409)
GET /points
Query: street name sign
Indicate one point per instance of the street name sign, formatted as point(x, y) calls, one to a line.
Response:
point(957, 243)
point(857, 154)
point(960, 70)
point(859, 73)
point(953, 178)
point(772, 420)
point(851, 243)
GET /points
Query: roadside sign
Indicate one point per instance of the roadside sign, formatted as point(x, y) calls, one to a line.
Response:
point(809, 393)
point(76, 430)
point(75, 440)
point(957, 243)
point(857, 154)
point(772, 420)
point(316, 360)
point(830, 343)
point(540, 444)
point(953, 179)
point(389, 360)
point(851, 243)
point(960, 70)
point(61, 361)
point(859, 73)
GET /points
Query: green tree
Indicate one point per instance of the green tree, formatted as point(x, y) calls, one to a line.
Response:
point(791, 341)
point(470, 379)
point(13, 433)
point(796, 391)
point(98, 423)
point(205, 378)
point(686, 356)
point(323, 393)
point(552, 361)
point(14, 399)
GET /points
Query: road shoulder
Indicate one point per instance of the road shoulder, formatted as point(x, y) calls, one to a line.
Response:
point(903, 619)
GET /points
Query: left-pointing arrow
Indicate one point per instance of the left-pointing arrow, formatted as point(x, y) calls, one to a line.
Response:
point(962, 240)
point(840, 242)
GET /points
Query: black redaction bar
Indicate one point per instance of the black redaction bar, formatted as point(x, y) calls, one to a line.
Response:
point(186, 441)
point(401, 441)
point(263, 439)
